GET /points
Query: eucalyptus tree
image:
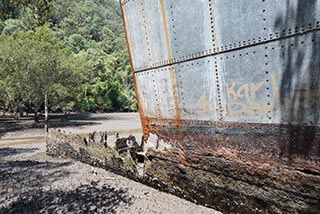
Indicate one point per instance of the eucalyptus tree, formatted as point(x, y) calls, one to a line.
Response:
point(93, 31)
point(35, 65)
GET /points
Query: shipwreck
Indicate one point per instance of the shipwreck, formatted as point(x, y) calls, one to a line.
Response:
point(229, 95)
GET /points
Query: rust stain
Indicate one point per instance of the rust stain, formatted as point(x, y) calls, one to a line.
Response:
point(203, 103)
point(127, 33)
point(216, 167)
point(165, 28)
point(251, 142)
point(143, 119)
point(171, 71)
point(173, 84)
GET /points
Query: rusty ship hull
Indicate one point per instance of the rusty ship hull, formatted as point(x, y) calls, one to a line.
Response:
point(234, 87)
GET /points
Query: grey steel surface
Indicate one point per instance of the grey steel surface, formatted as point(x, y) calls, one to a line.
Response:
point(137, 35)
point(156, 93)
point(155, 29)
point(197, 92)
point(189, 27)
point(225, 60)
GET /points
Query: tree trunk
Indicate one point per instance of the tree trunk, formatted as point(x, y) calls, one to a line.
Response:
point(36, 119)
point(15, 112)
point(85, 92)
point(29, 108)
point(46, 113)
point(4, 110)
point(21, 112)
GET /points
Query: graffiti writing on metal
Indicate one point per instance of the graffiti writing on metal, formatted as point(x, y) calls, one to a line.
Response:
point(242, 98)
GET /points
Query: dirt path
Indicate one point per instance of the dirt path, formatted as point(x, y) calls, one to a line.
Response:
point(32, 182)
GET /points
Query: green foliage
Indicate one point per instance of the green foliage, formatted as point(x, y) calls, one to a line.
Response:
point(35, 63)
point(14, 8)
point(13, 25)
point(79, 57)
point(8, 10)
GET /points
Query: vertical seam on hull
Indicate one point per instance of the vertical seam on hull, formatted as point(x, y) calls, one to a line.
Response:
point(144, 19)
point(171, 69)
point(218, 86)
point(155, 91)
point(213, 39)
point(212, 25)
point(173, 82)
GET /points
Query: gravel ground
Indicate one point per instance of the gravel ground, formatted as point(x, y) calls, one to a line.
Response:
point(32, 182)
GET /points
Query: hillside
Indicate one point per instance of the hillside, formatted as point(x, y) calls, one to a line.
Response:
point(90, 44)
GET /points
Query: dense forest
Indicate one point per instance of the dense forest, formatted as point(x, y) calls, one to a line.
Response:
point(73, 51)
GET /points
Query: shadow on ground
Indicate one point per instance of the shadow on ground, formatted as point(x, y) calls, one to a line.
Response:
point(26, 188)
point(20, 176)
point(84, 199)
point(5, 152)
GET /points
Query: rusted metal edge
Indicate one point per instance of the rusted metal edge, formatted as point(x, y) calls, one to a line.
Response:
point(216, 123)
point(136, 87)
point(297, 147)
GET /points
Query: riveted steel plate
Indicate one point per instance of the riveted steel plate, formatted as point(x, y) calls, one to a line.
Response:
point(255, 73)
point(282, 18)
point(137, 35)
point(197, 97)
point(277, 83)
point(164, 30)
point(273, 83)
point(236, 22)
point(148, 94)
point(163, 84)
point(245, 22)
point(156, 31)
point(157, 95)
point(244, 84)
point(197, 92)
point(172, 31)
point(294, 68)
point(186, 19)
